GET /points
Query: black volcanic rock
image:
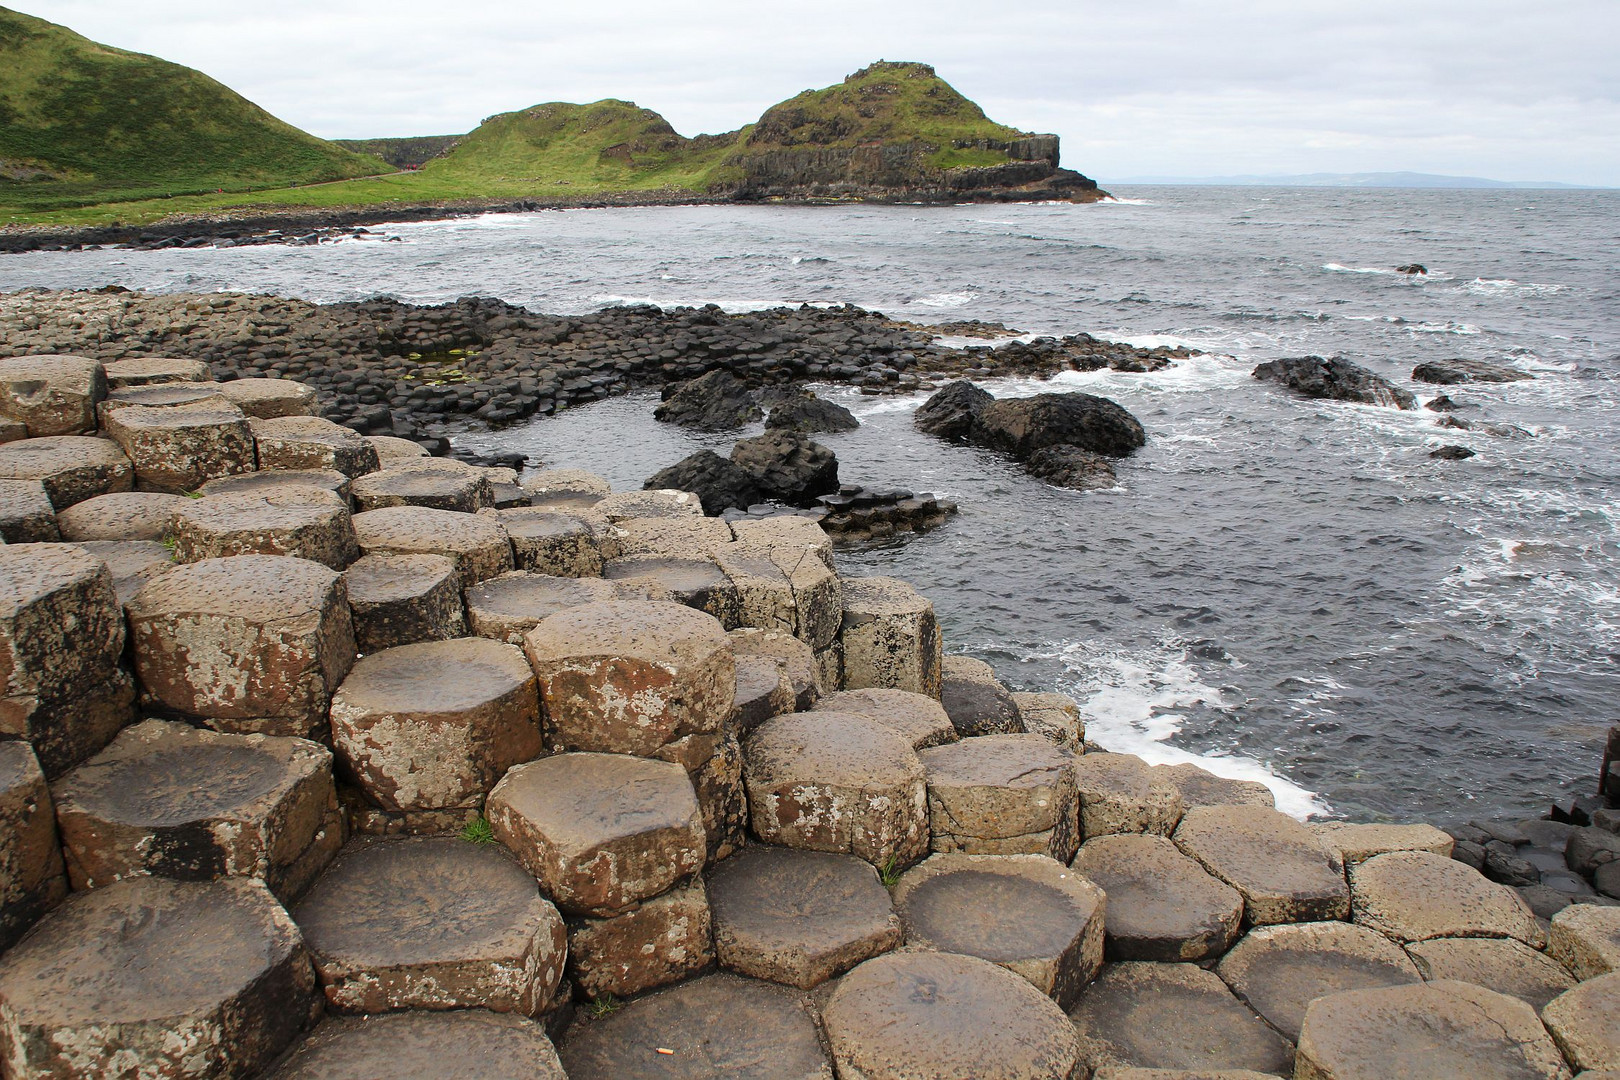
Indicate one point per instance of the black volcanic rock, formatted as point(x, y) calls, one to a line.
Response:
point(1071, 467)
point(1452, 453)
point(808, 414)
point(953, 412)
point(1452, 372)
point(718, 483)
point(1335, 379)
point(1021, 426)
point(787, 467)
point(718, 401)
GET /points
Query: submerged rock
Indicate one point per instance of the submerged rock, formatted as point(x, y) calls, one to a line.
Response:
point(717, 401)
point(1072, 467)
point(1335, 379)
point(1452, 453)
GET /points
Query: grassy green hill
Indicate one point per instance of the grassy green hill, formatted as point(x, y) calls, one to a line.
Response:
point(82, 123)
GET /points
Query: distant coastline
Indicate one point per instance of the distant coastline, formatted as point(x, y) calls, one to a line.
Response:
point(1356, 180)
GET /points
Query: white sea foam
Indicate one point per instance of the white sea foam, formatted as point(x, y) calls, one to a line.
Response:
point(946, 300)
point(1117, 201)
point(1340, 268)
point(1501, 286)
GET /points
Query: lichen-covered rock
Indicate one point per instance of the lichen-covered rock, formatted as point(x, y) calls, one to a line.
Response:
point(267, 399)
point(51, 395)
point(554, 543)
point(1417, 895)
point(432, 923)
point(73, 468)
point(122, 515)
point(177, 449)
point(311, 442)
point(629, 677)
point(308, 523)
point(1002, 795)
point(31, 876)
point(434, 725)
point(890, 637)
point(402, 599)
point(1054, 716)
point(1163, 905)
point(683, 536)
point(477, 544)
point(1282, 870)
point(602, 832)
point(469, 1044)
point(658, 941)
point(156, 371)
point(794, 657)
point(160, 978)
point(1121, 793)
point(917, 718)
point(507, 607)
point(253, 643)
point(181, 802)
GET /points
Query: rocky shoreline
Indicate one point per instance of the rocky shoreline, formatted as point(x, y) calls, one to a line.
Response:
point(358, 762)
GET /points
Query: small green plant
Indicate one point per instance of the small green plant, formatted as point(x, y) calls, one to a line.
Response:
point(889, 872)
point(193, 494)
point(169, 545)
point(603, 1007)
point(477, 831)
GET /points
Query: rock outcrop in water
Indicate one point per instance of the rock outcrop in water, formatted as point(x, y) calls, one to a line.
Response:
point(808, 414)
point(720, 484)
point(788, 468)
point(1335, 379)
point(718, 401)
point(1063, 439)
point(1460, 370)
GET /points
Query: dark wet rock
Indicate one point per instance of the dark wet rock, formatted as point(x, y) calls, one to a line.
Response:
point(1459, 370)
point(1021, 426)
point(788, 467)
point(718, 401)
point(1072, 467)
point(953, 413)
point(1412, 269)
point(808, 414)
point(720, 484)
point(1441, 404)
point(1335, 379)
point(1451, 453)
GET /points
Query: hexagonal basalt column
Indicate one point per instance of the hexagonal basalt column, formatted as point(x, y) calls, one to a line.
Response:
point(179, 802)
point(267, 399)
point(311, 442)
point(566, 489)
point(468, 1043)
point(722, 799)
point(631, 678)
point(122, 515)
point(31, 877)
point(683, 536)
point(646, 504)
point(26, 513)
point(1417, 895)
point(764, 593)
point(793, 656)
point(433, 726)
point(1028, 913)
point(837, 782)
point(178, 449)
point(695, 583)
point(1056, 716)
point(975, 699)
point(658, 941)
point(1121, 793)
point(163, 395)
point(443, 488)
point(402, 599)
point(917, 718)
point(432, 923)
point(548, 542)
point(1162, 905)
point(477, 544)
point(268, 480)
point(1501, 964)
point(309, 523)
point(1200, 787)
point(1002, 795)
point(763, 691)
point(61, 633)
point(1585, 938)
point(890, 638)
point(1282, 870)
point(798, 917)
point(600, 831)
point(1585, 1021)
point(152, 977)
point(51, 395)
point(132, 563)
point(925, 1014)
point(507, 607)
point(788, 531)
point(73, 468)
point(769, 1034)
point(391, 449)
point(156, 371)
point(253, 643)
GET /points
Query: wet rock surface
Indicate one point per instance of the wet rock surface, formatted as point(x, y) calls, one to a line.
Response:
point(1335, 379)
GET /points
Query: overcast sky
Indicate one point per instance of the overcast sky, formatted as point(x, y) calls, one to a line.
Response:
point(1496, 88)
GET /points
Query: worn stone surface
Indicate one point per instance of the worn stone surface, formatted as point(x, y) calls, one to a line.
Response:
point(1200, 787)
point(444, 488)
point(267, 480)
point(694, 582)
point(919, 1015)
point(763, 691)
point(402, 599)
point(181, 802)
point(132, 563)
point(1282, 870)
point(1030, 914)
point(1585, 938)
point(600, 831)
point(1417, 895)
point(163, 396)
point(1002, 795)
point(917, 718)
point(974, 698)
point(1162, 904)
point(156, 371)
point(555, 484)
point(631, 677)
point(660, 502)
point(468, 1044)
point(1501, 964)
point(1173, 1016)
point(311, 442)
point(507, 607)
point(554, 543)
point(786, 531)
point(1585, 1022)
point(253, 643)
point(1279, 970)
point(177, 449)
point(160, 978)
point(1054, 716)
point(477, 544)
point(655, 942)
point(123, 515)
point(433, 725)
point(1121, 793)
point(795, 658)
point(818, 593)
point(682, 536)
point(798, 917)
point(31, 875)
point(51, 395)
point(1587, 849)
point(1126, 1072)
point(309, 523)
point(769, 1033)
point(432, 923)
point(829, 781)
point(1439, 1029)
point(267, 399)
point(1358, 843)
point(390, 449)
point(26, 513)
point(890, 637)
point(73, 468)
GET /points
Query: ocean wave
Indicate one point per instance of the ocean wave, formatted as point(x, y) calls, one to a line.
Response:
point(945, 300)
point(1501, 286)
point(1117, 201)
